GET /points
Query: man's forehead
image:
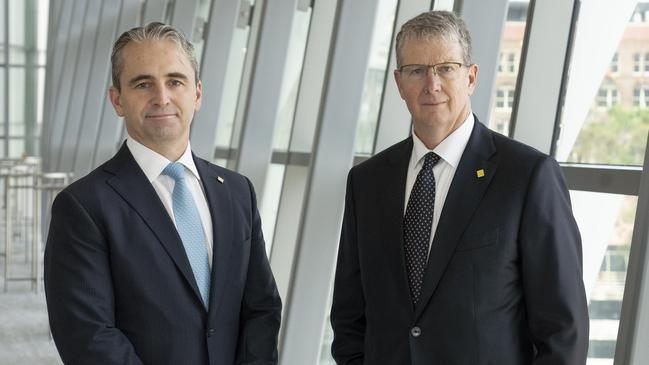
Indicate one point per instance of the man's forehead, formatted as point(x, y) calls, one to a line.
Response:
point(431, 47)
point(156, 53)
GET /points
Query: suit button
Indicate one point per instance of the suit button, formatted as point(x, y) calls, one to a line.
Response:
point(211, 332)
point(415, 332)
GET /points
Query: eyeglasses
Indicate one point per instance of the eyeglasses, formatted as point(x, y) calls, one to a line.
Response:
point(418, 73)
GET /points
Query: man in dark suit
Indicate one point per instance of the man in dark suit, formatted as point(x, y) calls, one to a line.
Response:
point(458, 244)
point(157, 256)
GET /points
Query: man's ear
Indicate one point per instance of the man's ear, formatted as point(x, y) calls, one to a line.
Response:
point(115, 99)
point(473, 77)
point(397, 79)
point(199, 96)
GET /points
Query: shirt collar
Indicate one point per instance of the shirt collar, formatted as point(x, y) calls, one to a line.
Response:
point(451, 148)
point(152, 163)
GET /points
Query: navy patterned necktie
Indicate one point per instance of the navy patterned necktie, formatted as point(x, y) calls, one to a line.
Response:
point(417, 224)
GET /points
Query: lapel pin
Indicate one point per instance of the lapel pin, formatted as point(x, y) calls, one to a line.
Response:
point(220, 179)
point(480, 173)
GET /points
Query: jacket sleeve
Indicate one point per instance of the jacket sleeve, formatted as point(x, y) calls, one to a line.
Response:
point(348, 308)
point(79, 289)
point(551, 267)
point(261, 307)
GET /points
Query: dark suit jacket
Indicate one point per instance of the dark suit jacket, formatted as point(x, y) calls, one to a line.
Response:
point(503, 285)
point(119, 286)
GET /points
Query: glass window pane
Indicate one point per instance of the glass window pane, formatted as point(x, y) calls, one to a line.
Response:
point(606, 225)
point(40, 94)
point(2, 110)
point(17, 101)
point(270, 202)
point(510, 47)
point(375, 77)
point(16, 148)
point(202, 16)
point(2, 30)
point(41, 29)
point(291, 82)
point(601, 108)
point(16, 31)
point(233, 78)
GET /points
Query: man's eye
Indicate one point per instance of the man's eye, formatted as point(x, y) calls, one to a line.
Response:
point(175, 83)
point(418, 71)
point(142, 85)
point(444, 69)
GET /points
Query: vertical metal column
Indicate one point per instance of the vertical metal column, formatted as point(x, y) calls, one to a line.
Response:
point(633, 333)
point(81, 76)
point(70, 45)
point(309, 101)
point(221, 25)
point(154, 11)
point(541, 75)
point(262, 109)
point(96, 92)
point(184, 16)
point(323, 208)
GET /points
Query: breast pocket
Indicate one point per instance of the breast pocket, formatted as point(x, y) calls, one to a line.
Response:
point(478, 240)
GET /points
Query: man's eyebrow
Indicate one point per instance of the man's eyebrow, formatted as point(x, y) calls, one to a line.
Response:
point(139, 78)
point(174, 75)
point(177, 75)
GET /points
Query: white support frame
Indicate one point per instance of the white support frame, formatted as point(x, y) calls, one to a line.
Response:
point(333, 153)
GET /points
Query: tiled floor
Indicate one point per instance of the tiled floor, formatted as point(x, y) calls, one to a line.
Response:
point(24, 330)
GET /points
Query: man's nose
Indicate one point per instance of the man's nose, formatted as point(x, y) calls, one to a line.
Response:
point(160, 96)
point(432, 82)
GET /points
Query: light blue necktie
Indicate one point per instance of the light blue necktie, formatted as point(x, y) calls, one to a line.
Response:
point(190, 228)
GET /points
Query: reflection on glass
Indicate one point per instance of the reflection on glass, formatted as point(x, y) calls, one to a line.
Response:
point(40, 96)
point(202, 14)
point(3, 20)
point(270, 202)
point(375, 77)
point(233, 77)
point(605, 117)
point(41, 29)
point(606, 225)
point(507, 72)
point(17, 101)
point(16, 148)
point(17, 31)
point(291, 82)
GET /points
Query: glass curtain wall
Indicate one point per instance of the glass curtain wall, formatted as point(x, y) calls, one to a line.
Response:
point(23, 38)
point(604, 121)
point(365, 134)
point(511, 46)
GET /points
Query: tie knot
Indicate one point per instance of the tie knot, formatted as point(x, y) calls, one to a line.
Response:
point(430, 160)
point(175, 170)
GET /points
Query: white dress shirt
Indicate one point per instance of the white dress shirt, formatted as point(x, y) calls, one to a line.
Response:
point(152, 163)
point(450, 151)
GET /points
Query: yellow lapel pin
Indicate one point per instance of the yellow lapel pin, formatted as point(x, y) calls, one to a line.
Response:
point(480, 173)
point(220, 179)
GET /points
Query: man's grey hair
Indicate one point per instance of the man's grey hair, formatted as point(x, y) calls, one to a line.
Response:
point(435, 24)
point(154, 31)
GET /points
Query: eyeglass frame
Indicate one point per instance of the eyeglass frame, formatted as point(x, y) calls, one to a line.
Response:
point(434, 67)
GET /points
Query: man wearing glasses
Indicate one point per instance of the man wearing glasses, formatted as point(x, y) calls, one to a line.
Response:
point(458, 245)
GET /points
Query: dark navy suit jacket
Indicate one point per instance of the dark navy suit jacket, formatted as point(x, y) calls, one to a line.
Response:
point(119, 286)
point(503, 285)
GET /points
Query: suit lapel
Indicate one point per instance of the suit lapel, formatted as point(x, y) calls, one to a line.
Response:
point(133, 186)
point(392, 180)
point(220, 204)
point(464, 196)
